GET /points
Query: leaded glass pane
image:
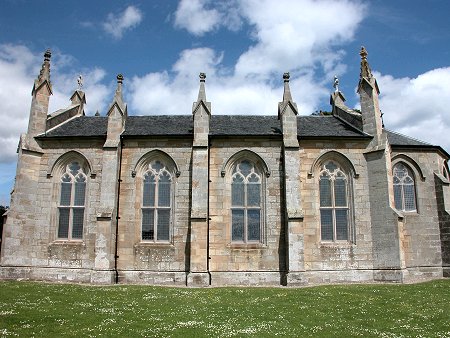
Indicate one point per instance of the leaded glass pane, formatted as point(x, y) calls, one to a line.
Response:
point(341, 224)
point(149, 191)
point(237, 228)
point(157, 166)
point(148, 219)
point(163, 224)
point(253, 178)
point(237, 191)
point(331, 166)
point(77, 222)
point(66, 178)
point(245, 167)
point(63, 226)
point(66, 191)
point(398, 197)
point(410, 198)
point(253, 225)
point(325, 191)
point(340, 193)
point(164, 190)
point(400, 171)
point(253, 195)
point(74, 167)
point(80, 192)
point(326, 223)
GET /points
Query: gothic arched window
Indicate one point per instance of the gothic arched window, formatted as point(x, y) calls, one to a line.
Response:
point(246, 202)
point(404, 188)
point(156, 203)
point(72, 202)
point(335, 199)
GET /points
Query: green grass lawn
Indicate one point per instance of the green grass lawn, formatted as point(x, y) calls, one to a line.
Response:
point(51, 310)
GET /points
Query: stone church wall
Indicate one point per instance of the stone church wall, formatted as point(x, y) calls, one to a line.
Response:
point(335, 262)
point(141, 262)
point(421, 234)
point(261, 263)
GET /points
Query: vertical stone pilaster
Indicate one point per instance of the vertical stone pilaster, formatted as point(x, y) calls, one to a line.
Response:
point(105, 239)
point(18, 233)
point(287, 113)
point(368, 92)
point(201, 110)
point(386, 223)
point(41, 92)
point(107, 222)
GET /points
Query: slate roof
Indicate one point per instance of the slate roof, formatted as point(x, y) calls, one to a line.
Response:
point(396, 139)
point(223, 125)
point(83, 126)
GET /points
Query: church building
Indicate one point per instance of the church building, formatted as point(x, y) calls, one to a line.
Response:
point(203, 199)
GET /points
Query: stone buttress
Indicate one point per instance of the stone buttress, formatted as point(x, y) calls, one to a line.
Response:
point(287, 114)
point(199, 218)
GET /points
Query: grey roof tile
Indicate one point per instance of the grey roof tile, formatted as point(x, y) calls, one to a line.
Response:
point(221, 125)
point(83, 126)
point(397, 139)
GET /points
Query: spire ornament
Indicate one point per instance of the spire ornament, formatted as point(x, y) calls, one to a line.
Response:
point(201, 91)
point(80, 82)
point(365, 68)
point(44, 74)
point(336, 84)
point(287, 90)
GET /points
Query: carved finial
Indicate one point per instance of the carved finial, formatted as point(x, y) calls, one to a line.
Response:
point(47, 55)
point(201, 90)
point(80, 82)
point(336, 84)
point(363, 53)
point(44, 74)
point(287, 90)
point(365, 68)
point(119, 78)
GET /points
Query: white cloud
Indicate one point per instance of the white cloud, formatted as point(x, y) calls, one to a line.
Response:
point(418, 107)
point(290, 35)
point(116, 25)
point(193, 16)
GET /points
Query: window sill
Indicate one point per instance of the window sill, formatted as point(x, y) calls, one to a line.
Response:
point(154, 244)
point(247, 246)
point(69, 242)
point(340, 244)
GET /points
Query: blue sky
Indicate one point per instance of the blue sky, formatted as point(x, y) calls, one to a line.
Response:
point(244, 46)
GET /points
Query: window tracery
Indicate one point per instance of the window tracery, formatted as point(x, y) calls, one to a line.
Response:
point(404, 188)
point(72, 202)
point(156, 203)
point(335, 200)
point(246, 203)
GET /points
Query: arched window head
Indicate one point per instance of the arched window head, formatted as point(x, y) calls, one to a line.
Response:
point(246, 201)
point(72, 202)
point(404, 188)
point(335, 218)
point(156, 202)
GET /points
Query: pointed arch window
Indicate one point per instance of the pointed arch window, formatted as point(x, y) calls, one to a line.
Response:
point(157, 203)
point(72, 202)
point(404, 188)
point(246, 203)
point(335, 217)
